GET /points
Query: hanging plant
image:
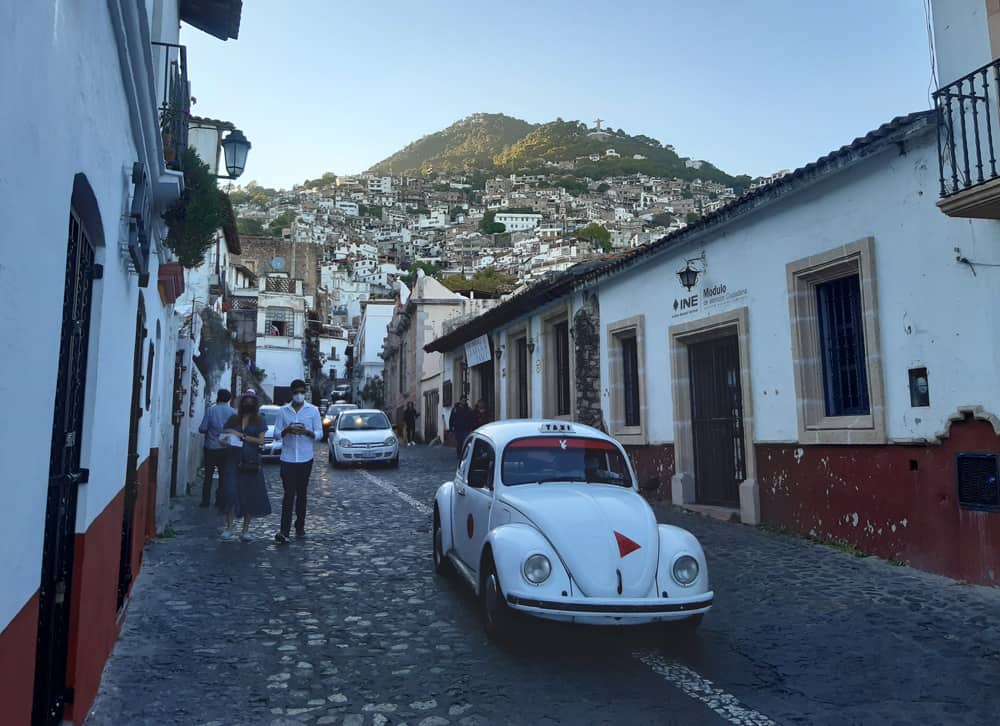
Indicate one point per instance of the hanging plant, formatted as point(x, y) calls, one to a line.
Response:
point(197, 215)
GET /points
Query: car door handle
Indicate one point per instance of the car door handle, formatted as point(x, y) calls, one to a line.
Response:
point(460, 492)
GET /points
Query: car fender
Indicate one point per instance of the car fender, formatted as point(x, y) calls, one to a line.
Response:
point(510, 545)
point(674, 542)
point(442, 503)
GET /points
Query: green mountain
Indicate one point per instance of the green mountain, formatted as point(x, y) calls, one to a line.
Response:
point(499, 143)
point(469, 144)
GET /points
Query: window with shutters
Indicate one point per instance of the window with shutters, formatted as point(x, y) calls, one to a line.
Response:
point(518, 375)
point(626, 380)
point(835, 343)
point(557, 367)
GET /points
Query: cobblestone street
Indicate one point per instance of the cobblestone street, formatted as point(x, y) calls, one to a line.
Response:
point(350, 626)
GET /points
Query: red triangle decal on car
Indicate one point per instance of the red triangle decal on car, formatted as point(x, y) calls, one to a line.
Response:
point(625, 545)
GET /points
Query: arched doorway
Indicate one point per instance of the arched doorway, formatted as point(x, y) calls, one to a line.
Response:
point(65, 474)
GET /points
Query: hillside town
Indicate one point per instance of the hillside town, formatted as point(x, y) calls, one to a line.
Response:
point(527, 423)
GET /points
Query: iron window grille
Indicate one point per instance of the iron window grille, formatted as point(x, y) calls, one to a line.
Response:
point(842, 347)
point(561, 333)
point(630, 375)
point(521, 351)
point(978, 480)
point(279, 322)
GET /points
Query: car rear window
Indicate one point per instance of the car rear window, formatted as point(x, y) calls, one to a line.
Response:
point(573, 459)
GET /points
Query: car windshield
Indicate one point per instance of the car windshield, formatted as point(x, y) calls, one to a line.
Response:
point(576, 459)
point(269, 415)
point(364, 421)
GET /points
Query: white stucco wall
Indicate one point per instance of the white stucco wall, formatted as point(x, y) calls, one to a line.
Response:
point(932, 310)
point(961, 37)
point(61, 64)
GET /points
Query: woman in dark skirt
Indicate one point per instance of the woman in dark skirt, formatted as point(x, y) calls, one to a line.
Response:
point(246, 491)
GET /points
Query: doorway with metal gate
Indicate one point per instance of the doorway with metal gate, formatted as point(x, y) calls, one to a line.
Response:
point(717, 420)
point(65, 475)
point(713, 414)
point(125, 574)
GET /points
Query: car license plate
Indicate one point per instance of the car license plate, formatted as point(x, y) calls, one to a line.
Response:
point(369, 455)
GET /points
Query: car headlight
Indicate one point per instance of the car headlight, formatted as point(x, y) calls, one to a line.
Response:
point(685, 570)
point(537, 569)
point(389, 441)
point(346, 443)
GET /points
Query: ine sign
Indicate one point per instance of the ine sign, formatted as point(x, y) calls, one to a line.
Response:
point(477, 351)
point(707, 297)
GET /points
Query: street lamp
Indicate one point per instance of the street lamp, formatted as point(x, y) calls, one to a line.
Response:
point(689, 275)
point(235, 147)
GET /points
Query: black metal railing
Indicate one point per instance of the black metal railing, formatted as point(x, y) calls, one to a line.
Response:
point(175, 102)
point(968, 116)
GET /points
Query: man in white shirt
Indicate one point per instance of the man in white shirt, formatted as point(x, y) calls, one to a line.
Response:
point(299, 425)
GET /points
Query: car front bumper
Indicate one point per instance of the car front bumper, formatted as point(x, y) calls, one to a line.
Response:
point(612, 611)
point(359, 455)
point(270, 451)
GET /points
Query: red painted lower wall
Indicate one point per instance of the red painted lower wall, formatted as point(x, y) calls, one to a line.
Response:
point(94, 623)
point(896, 501)
point(653, 461)
point(17, 664)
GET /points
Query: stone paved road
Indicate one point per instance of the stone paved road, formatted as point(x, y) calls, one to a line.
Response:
point(350, 627)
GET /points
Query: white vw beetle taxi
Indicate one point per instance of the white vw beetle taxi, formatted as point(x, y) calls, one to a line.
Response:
point(544, 518)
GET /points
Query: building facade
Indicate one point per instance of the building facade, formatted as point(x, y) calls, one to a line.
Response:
point(797, 357)
point(86, 183)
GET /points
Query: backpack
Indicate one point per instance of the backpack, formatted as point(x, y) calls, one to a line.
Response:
point(249, 461)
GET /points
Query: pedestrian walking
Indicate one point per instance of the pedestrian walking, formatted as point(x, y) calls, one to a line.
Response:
point(481, 414)
point(246, 490)
point(410, 417)
point(299, 425)
point(461, 423)
point(212, 424)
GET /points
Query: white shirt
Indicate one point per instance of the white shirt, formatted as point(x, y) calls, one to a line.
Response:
point(295, 448)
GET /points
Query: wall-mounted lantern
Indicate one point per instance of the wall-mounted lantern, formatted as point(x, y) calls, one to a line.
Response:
point(689, 275)
point(531, 346)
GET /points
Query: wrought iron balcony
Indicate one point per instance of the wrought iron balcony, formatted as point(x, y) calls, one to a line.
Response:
point(175, 102)
point(968, 136)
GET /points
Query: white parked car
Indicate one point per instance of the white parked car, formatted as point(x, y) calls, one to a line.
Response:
point(271, 448)
point(362, 436)
point(545, 518)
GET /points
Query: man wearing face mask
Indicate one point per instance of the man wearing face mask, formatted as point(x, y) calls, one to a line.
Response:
point(299, 425)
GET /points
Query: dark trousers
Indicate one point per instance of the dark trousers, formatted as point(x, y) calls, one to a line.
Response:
point(411, 431)
point(295, 479)
point(215, 459)
point(460, 437)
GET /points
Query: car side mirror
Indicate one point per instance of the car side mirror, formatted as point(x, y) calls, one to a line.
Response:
point(650, 485)
point(477, 478)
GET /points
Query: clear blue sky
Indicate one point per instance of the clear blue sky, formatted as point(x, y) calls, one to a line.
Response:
point(321, 85)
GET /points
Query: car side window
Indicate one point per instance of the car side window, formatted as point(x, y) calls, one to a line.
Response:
point(483, 464)
point(463, 464)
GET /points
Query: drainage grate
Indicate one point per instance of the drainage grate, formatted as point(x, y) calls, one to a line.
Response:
point(978, 481)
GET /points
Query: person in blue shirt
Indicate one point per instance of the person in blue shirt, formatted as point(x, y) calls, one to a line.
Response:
point(299, 425)
point(212, 425)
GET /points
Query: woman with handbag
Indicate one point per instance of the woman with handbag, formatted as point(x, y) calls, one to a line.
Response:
point(246, 490)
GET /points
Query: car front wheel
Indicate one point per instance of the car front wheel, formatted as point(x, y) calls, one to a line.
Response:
point(441, 563)
point(497, 616)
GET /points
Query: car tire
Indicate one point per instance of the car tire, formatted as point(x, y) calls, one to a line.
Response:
point(329, 455)
point(498, 619)
point(394, 464)
point(442, 565)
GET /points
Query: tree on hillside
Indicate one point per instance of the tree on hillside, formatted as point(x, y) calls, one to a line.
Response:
point(603, 187)
point(489, 225)
point(596, 234)
point(277, 224)
point(692, 217)
point(429, 270)
point(329, 179)
point(488, 281)
point(249, 226)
